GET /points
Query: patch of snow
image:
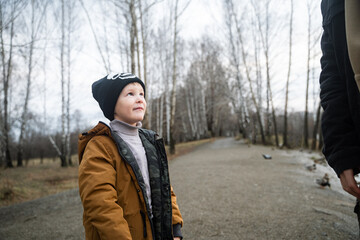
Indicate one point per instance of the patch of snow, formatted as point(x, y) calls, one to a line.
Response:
point(307, 159)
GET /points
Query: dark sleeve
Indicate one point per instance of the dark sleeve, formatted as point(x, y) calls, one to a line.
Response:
point(341, 140)
point(177, 230)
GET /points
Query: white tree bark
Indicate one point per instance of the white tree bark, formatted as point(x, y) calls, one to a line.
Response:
point(7, 65)
point(161, 113)
point(285, 139)
point(266, 48)
point(232, 12)
point(69, 48)
point(23, 120)
point(173, 90)
point(62, 79)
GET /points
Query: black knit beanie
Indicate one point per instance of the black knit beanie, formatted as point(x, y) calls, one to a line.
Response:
point(106, 91)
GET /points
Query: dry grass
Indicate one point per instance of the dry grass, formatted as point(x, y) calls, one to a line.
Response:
point(37, 179)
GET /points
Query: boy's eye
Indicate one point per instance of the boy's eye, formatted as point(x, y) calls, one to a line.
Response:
point(130, 94)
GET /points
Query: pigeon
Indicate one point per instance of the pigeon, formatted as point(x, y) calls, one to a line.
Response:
point(321, 161)
point(311, 167)
point(324, 181)
point(267, 156)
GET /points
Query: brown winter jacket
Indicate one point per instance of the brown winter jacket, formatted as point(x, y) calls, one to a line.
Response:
point(114, 206)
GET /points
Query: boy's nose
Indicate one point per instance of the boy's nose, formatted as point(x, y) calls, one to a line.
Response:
point(139, 98)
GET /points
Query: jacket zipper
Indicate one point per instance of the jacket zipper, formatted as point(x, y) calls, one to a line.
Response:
point(160, 151)
point(141, 189)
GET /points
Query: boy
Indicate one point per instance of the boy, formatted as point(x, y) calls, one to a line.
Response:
point(123, 174)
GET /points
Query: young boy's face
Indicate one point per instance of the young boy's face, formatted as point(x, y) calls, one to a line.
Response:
point(131, 105)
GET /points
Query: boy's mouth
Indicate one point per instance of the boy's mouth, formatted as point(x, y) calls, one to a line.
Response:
point(139, 108)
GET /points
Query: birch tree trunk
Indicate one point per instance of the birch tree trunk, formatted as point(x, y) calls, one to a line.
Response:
point(202, 109)
point(138, 52)
point(258, 66)
point(231, 11)
point(173, 90)
point(55, 146)
point(44, 70)
point(122, 43)
point(189, 111)
point(316, 128)
point(321, 139)
point(167, 116)
point(7, 70)
point(236, 62)
point(161, 117)
point(70, 7)
point(62, 73)
point(266, 47)
point(133, 31)
point(306, 113)
point(2, 145)
point(144, 53)
point(285, 134)
point(23, 120)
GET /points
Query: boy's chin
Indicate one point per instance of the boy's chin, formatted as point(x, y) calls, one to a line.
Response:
point(139, 119)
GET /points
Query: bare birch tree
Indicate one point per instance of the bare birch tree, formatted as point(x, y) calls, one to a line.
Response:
point(6, 72)
point(144, 28)
point(240, 108)
point(66, 21)
point(133, 33)
point(35, 25)
point(71, 21)
point(231, 11)
point(68, 80)
point(9, 11)
point(143, 13)
point(285, 133)
point(162, 47)
point(310, 45)
point(63, 83)
point(173, 90)
point(259, 75)
point(264, 34)
point(174, 75)
point(316, 128)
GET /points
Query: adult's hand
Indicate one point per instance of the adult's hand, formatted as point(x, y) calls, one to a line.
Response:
point(349, 184)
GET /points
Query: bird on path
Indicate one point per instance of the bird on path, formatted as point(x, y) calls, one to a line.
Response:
point(321, 161)
point(311, 167)
point(324, 181)
point(267, 156)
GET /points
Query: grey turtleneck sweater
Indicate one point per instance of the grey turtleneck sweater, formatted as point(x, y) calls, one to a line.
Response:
point(130, 134)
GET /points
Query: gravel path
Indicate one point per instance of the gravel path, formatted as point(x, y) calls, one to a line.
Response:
point(226, 191)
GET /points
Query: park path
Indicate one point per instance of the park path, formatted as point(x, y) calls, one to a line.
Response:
point(226, 190)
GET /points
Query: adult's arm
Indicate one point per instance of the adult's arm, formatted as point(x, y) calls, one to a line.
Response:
point(341, 147)
point(349, 184)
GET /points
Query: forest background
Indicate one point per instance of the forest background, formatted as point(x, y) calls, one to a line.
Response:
point(211, 68)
